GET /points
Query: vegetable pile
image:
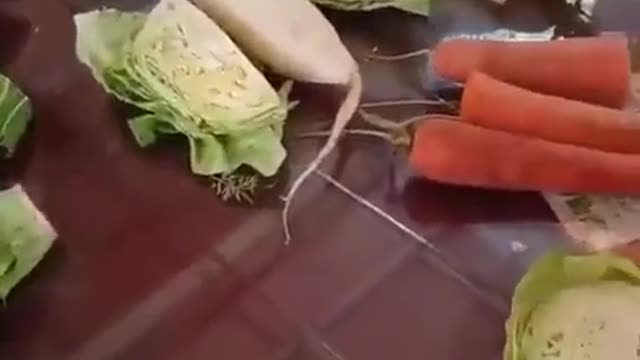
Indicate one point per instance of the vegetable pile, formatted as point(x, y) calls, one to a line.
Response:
point(559, 126)
point(183, 66)
point(191, 69)
point(576, 307)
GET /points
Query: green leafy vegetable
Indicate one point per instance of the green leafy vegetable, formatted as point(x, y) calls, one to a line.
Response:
point(25, 237)
point(420, 7)
point(189, 77)
point(576, 307)
point(15, 114)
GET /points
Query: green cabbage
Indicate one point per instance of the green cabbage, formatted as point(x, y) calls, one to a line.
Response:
point(189, 78)
point(15, 114)
point(576, 308)
point(420, 7)
point(25, 237)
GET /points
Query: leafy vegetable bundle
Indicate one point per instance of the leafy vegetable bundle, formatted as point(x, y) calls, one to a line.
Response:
point(188, 78)
point(576, 307)
point(25, 237)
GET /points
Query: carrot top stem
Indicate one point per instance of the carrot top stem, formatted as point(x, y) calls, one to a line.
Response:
point(397, 57)
point(364, 132)
point(379, 121)
point(390, 125)
point(407, 102)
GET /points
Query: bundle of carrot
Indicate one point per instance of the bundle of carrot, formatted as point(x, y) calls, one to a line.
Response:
point(541, 116)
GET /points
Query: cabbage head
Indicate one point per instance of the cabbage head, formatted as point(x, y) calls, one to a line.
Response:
point(187, 77)
point(576, 308)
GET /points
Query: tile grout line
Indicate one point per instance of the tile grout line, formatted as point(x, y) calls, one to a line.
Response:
point(141, 317)
point(435, 254)
point(368, 285)
point(352, 299)
point(362, 201)
point(144, 315)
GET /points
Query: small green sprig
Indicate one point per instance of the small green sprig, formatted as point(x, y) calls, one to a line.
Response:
point(241, 188)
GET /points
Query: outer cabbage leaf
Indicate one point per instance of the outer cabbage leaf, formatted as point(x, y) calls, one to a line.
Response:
point(575, 307)
point(101, 38)
point(260, 150)
point(25, 237)
point(420, 7)
point(183, 70)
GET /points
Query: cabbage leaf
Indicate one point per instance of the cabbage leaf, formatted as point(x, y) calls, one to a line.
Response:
point(576, 307)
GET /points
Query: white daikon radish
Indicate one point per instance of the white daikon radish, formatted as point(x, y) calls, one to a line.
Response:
point(294, 39)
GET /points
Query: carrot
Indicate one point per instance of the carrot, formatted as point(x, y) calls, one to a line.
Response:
point(595, 69)
point(494, 104)
point(464, 154)
point(630, 251)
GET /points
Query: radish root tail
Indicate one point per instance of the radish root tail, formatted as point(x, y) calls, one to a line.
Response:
point(347, 110)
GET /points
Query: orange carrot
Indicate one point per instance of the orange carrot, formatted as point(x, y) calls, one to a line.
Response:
point(595, 69)
point(464, 154)
point(491, 103)
point(630, 251)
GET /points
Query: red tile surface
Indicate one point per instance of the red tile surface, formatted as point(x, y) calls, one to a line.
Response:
point(417, 313)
